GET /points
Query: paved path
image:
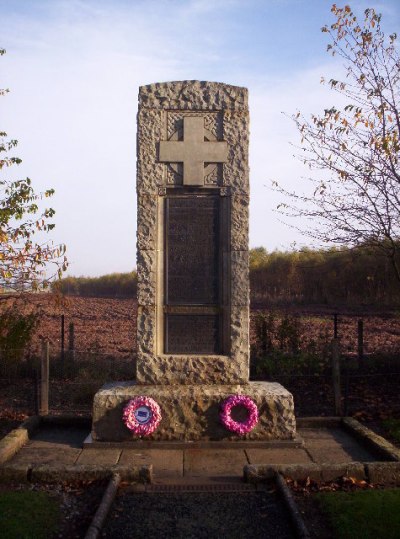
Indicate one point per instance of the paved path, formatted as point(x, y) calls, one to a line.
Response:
point(63, 446)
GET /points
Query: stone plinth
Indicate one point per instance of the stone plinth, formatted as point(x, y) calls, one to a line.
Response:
point(191, 412)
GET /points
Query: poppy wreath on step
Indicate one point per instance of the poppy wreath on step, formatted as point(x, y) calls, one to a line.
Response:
point(142, 415)
point(237, 427)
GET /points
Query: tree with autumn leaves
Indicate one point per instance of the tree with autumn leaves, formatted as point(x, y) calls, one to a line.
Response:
point(25, 262)
point(355, 200)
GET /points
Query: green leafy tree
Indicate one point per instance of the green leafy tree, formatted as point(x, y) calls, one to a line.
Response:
point(24, 262)
point(356, 199)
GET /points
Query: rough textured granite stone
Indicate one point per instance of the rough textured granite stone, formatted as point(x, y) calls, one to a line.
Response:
point(192, 412)
point(149, 170)
point(146, 328)
point(239, 336)
point(146, 272)
point(239, 223)
point(240, 278)
point(187, 370)
point(193, 95)
point(154, 368)
point(236, 169)
point(147, 225)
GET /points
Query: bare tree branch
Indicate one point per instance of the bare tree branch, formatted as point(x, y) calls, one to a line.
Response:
point(358, 147)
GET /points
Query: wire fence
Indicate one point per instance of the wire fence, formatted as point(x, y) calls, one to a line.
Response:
point(372, 397)
point(365, 384)
point(73, 379)
point(333, 365)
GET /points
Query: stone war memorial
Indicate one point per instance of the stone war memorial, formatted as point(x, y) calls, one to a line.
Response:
point(192, 373)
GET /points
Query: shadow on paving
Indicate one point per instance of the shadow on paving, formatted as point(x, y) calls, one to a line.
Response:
point(196, 515)
point(60, 435)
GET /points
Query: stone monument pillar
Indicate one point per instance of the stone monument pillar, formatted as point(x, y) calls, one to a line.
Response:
point(192, 265)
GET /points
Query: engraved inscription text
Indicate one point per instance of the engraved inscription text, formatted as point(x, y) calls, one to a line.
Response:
point(192, 234)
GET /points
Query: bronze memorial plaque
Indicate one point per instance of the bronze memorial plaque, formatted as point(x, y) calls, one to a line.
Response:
point(192, 334)
point(192, 249)
point(192, 274)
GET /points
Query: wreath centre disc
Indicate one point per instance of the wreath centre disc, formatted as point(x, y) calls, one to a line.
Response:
point(143, 415)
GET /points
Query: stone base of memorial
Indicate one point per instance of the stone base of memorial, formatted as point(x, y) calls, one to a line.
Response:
point(192, 412)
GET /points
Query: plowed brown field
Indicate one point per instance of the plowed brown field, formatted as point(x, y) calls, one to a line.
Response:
point(104, 326)
point(108, 326)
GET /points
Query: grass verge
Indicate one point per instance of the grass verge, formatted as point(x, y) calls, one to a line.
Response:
point(393, 427)
point(27, 515)
point(365, 514)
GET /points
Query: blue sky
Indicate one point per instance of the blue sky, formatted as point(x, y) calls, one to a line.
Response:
point(74, 68)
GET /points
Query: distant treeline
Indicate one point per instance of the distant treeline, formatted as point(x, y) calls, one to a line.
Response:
point(358, 276)
point(332, 277)
point(114, 285)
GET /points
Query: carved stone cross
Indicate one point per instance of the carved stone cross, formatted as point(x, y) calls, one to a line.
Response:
point(193, 151)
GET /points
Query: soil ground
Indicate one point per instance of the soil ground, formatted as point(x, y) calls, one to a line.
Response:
point(108, 326)
point(200, 515)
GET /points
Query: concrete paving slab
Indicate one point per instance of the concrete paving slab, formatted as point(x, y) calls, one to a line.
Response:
point(334, 446)
point(60, 446)
point(278, 456)
point(317, 433)
point(330, 437)
point(209, 462)
point(338, 455)
point(99, 456)
point(166, 462)
point(44, 455)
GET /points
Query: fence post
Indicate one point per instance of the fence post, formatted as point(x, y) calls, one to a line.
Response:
point(346, 389)
point(360, 334)
point(335, 326)
point(62, 351)
point(71, 341)
point(336, 376)
point(36, 391)
point(44, 379)
point(62, 336)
